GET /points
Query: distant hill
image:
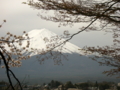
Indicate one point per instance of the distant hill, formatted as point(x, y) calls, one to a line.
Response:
point(77, 68)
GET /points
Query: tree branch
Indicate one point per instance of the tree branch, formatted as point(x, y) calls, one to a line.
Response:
point(7, 70)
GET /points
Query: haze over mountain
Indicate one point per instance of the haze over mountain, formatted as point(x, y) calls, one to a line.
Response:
point(76, 68)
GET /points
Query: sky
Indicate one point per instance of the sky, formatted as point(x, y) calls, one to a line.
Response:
point(21, 17)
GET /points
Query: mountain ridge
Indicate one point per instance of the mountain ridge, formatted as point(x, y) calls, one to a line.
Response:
point(40, 38)
point(76, 68)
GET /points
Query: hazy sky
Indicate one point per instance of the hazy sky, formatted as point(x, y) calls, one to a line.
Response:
point(21, 17)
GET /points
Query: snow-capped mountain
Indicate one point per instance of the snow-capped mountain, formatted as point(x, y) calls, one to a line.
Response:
point(77, 68)
point(41, 38)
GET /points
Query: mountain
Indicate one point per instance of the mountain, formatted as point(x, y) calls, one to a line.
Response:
point(39, 38)
point(77, 67)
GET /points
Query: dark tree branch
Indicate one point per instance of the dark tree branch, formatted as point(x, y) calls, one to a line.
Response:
point(7, 70)
point(16, 79)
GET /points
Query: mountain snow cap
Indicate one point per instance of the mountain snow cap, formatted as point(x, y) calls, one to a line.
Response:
point(37, 41)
